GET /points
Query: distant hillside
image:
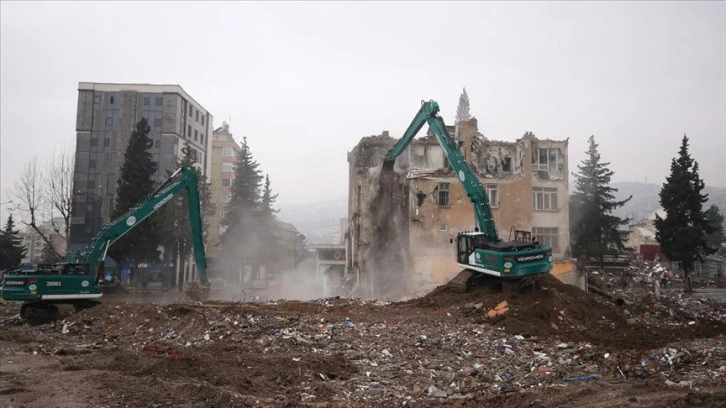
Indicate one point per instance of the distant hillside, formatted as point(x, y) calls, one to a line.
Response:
point(315, 220)
point(646, 199)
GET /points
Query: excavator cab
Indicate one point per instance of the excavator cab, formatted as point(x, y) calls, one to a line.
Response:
point(464, 247)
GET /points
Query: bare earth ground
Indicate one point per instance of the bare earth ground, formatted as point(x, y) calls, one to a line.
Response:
point(553, 347)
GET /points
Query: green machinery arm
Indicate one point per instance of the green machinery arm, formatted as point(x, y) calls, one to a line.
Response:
point(96, 251)
point(429, 114)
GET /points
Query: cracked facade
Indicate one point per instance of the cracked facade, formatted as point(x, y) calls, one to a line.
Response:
point(403, 245)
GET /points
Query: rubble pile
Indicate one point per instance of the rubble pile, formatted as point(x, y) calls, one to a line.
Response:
point(648, 294)
point(554, 346)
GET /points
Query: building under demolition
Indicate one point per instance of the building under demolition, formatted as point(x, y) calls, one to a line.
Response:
point(400, 231)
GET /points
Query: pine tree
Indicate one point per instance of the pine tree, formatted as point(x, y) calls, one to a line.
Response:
point(682, 233)
point(12, 250)
point(268, 200)
point(238, 242)
point(715, 218)
point(134, 185)
point(462, 111)
point(594, 229)
point(269, 231)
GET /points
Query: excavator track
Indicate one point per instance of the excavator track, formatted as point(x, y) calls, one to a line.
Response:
point(39, 312)
point(462, 281)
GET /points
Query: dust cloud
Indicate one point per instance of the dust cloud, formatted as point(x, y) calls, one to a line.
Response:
point(385, 259)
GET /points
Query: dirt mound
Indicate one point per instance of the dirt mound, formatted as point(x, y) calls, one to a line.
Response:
point(555, 309)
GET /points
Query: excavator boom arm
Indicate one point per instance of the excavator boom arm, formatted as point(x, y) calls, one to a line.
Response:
point(429, 114)
point(125, 223)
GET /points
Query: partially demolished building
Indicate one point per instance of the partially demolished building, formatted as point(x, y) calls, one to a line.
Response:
point(400, 231)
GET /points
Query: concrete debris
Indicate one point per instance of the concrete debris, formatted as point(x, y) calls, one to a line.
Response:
point(439, 349)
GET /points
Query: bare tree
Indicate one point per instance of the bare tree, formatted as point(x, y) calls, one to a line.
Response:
point(59, 187)
point(45, 194)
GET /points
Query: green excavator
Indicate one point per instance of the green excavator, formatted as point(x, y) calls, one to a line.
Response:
point(78, 281)
point(481, 253)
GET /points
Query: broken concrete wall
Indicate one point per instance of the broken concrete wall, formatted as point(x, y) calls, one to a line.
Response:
point(378, 227)
point(434, 207)
point(550, 179)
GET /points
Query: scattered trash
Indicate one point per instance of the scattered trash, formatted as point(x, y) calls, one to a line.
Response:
point(161, 350)
point(581, 378)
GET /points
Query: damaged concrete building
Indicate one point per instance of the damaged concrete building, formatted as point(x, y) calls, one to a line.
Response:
point(399, 235)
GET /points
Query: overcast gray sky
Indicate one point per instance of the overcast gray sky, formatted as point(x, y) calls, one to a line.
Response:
point(305, 81)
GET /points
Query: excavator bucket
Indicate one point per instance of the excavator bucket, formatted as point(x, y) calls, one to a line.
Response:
point(197, 292)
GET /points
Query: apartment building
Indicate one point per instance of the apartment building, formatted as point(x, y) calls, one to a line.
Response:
point(106, 116)
point(407, 245)
point(224, 156)
point(36, 248)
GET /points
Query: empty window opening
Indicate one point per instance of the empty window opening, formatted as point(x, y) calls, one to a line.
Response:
point(507, 164)
point(493, 195)
point(547, 236)
point(443, 194)
point(545, 199)
point(548, 160)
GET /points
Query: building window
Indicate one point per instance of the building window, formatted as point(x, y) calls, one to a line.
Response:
point(201, 138)
point(493, 195)
point(223, 212)
point(196, 134)
point(92, 164)
point(147, 101)
point(191, 111)
point(94, 141)
point(109, 121)
point(157, 123)
point(202, 120)
point(110, 100)
point(547, 236)
point(226, 197)
point(227, 152)
point(226, 182)
point(97, 99)
point(443, 194)
point(189, 130)
point(197, 118)
point(226, 166)
point(548, 160)
point(159, 101)
point(545, 199)
point(107, 142)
